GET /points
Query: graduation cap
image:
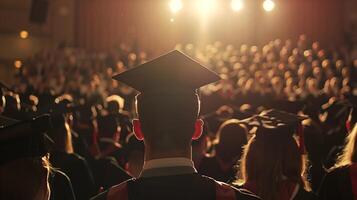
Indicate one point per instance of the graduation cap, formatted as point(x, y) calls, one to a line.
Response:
point(22, 139)
point(336, 110)
point(276, 125)
point(172, 73)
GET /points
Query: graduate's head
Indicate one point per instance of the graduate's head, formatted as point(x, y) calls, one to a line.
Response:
point(168, 105)
point(24, 161)
point(231, 137)
point(272, 156)
point(168, 120)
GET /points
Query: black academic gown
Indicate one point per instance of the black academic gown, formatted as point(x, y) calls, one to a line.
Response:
point(77, 169)
point(337, 185)
point(210, 166)
point(108, 173)
point(61, 186)
point(177, 183)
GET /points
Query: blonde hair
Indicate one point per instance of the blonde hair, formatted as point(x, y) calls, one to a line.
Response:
point(266, 162)
point(349, 153)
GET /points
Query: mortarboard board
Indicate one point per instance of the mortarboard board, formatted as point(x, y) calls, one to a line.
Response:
point(274, 122)
point(172, 73)
point(336, 110)
point(21, 139)
point(276, 125)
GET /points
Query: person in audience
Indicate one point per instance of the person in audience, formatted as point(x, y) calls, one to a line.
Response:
point(115, 106)
point(272, 165)
point(109, 136)
point(63, 158)
point(341, 180)
point(24, 163)
point(231, 138)
point(168, 108)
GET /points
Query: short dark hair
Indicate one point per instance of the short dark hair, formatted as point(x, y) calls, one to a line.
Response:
point(168, 121)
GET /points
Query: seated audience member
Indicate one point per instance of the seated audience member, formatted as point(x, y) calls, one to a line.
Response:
point(63, 158)
point(109, 135)
point(272, 165)
point(24, 165)
point(64, 105)
point(108, 167)
point(115, 105)
point(231, 138)
point(85, 125)
point(168, 108)
point(12, 107)
point(341, 180)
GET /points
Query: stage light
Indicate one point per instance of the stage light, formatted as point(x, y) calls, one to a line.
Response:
point(268, 5)
point(237, 5)
point(175, 6)
point(17, 64)
point(24, 34)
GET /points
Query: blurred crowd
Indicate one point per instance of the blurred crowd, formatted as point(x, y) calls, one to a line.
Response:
point(91, 114)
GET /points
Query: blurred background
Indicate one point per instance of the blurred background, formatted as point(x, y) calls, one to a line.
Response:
point(30, 26)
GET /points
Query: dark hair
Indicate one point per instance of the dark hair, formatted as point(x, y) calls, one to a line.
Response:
point(168, 121)
point(231, 137)
point(25, 179)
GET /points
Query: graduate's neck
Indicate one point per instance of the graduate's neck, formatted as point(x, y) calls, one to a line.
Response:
point(151, 154)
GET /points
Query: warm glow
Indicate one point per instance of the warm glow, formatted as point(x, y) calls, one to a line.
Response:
point(17, 64)
point(268, 5)
point(172, 20)
point(24, 34)
point(175, 6)
point(206, 6)
point(237, 5)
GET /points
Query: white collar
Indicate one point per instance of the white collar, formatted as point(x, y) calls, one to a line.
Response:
point(168, 162)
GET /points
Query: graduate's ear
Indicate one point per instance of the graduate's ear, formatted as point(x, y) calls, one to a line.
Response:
point(137, 129)
point(198, 129)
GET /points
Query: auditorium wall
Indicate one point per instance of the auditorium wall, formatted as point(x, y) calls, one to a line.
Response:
point(15, 17)
point(104, 24)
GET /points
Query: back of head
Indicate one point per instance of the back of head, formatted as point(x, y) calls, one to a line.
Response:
point(115, 104)
point(168, 121)
point(107, 126)
point(268, 163)
point(24, 166)
point(232, 136)
point(168, 103)
point(12, 106)
point(272, 160)
point(25, 179)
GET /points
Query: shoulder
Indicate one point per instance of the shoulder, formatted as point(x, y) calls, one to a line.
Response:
point(223, 190)
point(119, 191)
point(305, 195)
point(337, 171)
point(101, 196)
